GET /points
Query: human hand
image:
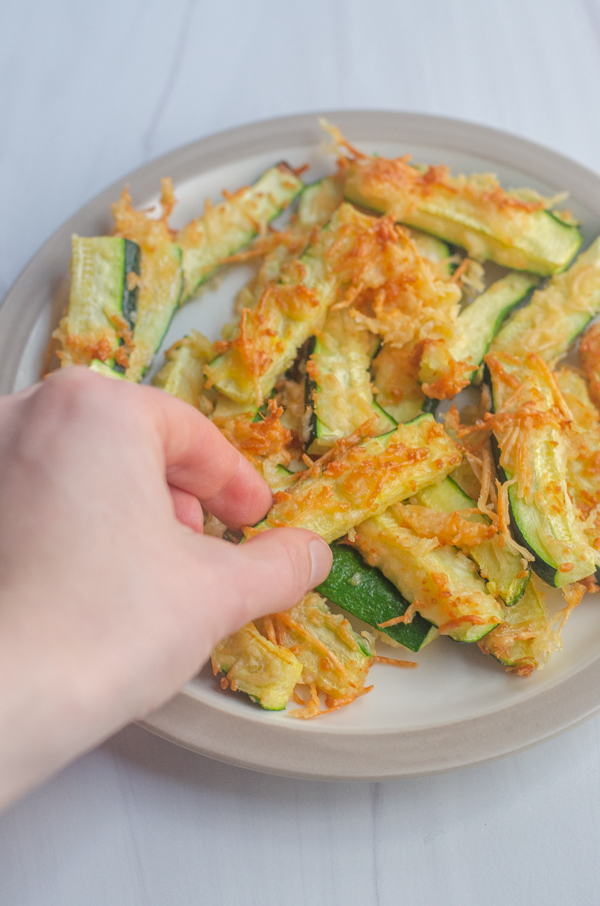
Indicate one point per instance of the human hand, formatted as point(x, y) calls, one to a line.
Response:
point(108, 602)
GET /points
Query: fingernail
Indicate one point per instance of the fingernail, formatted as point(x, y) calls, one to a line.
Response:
point(321, 559)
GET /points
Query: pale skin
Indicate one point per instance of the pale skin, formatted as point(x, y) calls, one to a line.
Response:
point(111, 598)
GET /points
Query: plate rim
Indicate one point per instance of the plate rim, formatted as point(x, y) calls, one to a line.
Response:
point(233, 738)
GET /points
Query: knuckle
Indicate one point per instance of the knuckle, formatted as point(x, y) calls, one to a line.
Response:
point(74, 398)
point(71, 390)
point(76, 393)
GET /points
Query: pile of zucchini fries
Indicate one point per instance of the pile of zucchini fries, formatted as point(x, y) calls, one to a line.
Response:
point(370, 307)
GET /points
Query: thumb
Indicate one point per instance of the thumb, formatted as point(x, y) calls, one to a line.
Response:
point(267, 574)
point(188, 509)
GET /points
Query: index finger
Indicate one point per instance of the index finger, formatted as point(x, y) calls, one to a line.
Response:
point(202, 462)
point(197, 458)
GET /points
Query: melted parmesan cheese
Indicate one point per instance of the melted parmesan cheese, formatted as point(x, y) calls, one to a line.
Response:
point(440, 581)
point(529, 424)
point(339, 493)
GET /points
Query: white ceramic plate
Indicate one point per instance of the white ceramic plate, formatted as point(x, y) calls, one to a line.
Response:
point(459, 708)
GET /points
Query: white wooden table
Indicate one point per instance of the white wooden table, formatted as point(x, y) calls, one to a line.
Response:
point(89, 91)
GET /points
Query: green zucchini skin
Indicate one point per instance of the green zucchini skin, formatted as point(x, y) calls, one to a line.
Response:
point(365, 592)
point(310, 388)
point(430, 406)
point(133, 257)
point(500, 567)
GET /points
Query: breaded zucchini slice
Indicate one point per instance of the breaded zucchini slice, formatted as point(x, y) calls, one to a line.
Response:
point(160, 282)
point(254, 665)
point(353, 255)
point(447, 366)
point(317, 204)
point(441, 583)
point(333, 656)
point(503, 569)
point(182, 375)
point(583, 453)
point(332, 498)
point(557, 313)
point(338, 383)
point(531, 420)
point(262, 439)
point(434, 249)
point(102, 301)
point(226, 227)
point(288, 313)
point(511, 228)
point(524, 639)
point(319, 201)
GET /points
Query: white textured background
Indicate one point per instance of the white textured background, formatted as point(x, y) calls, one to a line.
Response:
point(89, 91)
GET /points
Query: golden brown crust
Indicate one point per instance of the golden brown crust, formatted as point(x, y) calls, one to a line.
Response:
point(137, 226)
point(447, 528)
point(454, 376)
point(261, 440)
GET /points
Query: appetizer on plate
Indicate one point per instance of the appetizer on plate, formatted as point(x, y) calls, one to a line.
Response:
point(391, 288)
